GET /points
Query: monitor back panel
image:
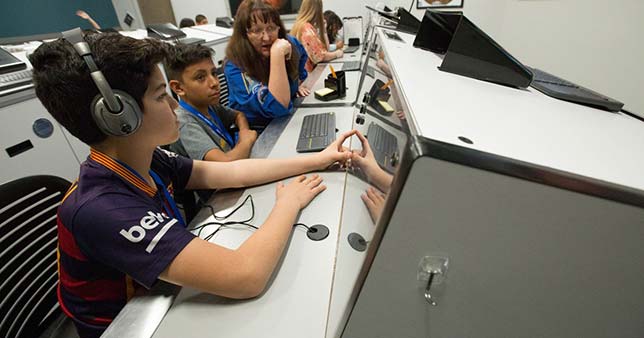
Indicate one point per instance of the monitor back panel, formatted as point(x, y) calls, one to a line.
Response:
point(525, 260)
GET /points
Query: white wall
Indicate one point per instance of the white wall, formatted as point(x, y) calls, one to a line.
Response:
point(584, 41)
point(190, 8)
point(123, 7)
point(588, 42)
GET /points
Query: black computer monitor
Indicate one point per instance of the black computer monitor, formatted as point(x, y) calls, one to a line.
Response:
point(10, 63)
point(165, 31)
point(469, 51)
point(407, 22)
point(286, 8)
point(436, 31)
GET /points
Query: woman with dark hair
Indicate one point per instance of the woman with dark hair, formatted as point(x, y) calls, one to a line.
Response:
point(333, 27)
point(264, 66)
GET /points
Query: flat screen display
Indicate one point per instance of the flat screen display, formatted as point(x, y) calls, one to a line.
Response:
point(285, 7)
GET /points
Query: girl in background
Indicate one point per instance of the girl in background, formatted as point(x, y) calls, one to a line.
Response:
point(333, 27)
point(310, 29)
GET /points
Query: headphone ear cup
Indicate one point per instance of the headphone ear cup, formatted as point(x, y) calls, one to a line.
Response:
point(122, 123)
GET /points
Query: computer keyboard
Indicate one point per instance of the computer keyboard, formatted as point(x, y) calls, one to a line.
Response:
point(371, 72)
point(317, 132)
point(351, 49)
point(384, 146)
point(15, 81)
point(351, 65)
point(565, 90)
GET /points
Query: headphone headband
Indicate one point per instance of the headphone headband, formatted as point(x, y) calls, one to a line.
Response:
point(75, 37)
point(115, 112)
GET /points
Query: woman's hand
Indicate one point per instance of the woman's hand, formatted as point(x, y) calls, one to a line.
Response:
point(303, 91)
point(281, 48)
point(299, 192)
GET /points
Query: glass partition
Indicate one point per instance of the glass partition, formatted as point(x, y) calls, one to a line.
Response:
point(379, 115)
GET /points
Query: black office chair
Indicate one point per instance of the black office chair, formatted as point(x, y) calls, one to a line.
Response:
point(28, 263)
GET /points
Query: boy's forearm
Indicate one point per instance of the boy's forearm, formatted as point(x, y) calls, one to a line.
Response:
point(240, 121)
point(382, 180)
point(252, 172)
point(241, 151)
point(265, 246)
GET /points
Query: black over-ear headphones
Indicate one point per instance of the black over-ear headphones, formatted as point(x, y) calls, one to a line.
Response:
point(115, 112)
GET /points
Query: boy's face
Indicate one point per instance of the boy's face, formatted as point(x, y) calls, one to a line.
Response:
point(199, 85)
point(160, 125)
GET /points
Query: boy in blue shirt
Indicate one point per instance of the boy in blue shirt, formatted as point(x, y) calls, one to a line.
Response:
point(118, 227)
point(204, 123)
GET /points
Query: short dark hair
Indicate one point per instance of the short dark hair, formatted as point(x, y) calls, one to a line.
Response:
point(186, 22)
point(200, 17)
point(64, 85)
point(182, 56)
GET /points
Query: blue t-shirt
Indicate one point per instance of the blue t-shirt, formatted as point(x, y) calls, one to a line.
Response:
point(253, 98)
point(115, 236)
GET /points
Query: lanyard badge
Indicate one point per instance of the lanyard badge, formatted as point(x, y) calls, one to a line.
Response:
point(217, 127)
point(173, 209)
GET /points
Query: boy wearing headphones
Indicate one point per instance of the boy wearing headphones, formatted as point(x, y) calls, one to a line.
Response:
point(118, 228)
point(204, 123)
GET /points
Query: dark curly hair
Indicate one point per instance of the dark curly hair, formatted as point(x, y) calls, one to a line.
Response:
point(64, 85)
point(182, 56)
point(333, 25)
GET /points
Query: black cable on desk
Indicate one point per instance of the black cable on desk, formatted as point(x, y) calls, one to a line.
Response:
point(315, 233)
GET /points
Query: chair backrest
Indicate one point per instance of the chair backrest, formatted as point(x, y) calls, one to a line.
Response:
point(223, 87)
point(28, 262)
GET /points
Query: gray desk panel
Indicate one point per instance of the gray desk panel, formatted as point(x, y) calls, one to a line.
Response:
point(355, 219)
point(295, 304)
point(267, 139)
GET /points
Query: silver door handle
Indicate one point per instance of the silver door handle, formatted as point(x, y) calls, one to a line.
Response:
point(433, 269)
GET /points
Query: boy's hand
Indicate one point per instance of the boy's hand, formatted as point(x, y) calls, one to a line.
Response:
point(82, 14)
point(335, 152)
point(375, 202)
point(299, 192)
point(365, 160)
point(282, 47)
point(247, 135)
